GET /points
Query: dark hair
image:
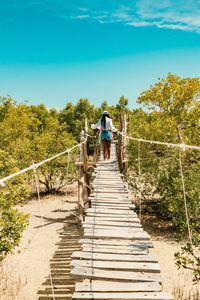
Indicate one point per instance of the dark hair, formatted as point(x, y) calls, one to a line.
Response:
point(103, 121)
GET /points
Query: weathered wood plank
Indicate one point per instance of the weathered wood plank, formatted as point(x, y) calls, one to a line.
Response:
point(112, 247)
point(122, 296)
point(97, 274)
point(124, 201)
point(102, 218)
point(104, 286)
point(114, 250)
point(105, 200)
point(120, 230)
point(111, 211)
point(116, 242)
point(110, 223)
point(112, 216)
point(128, 233)
point(111, 227)
point(113, 206)
point(120, 196)
point(116, 235)
point(110, 265)
point(110, 196)
point(117, 183)
point(107, 182)
point(114, 257)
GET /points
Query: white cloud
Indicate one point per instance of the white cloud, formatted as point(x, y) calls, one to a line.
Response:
point(82, 16)
point(83, 9)
point(172, 14)
point(140, 24)
point(182, 15)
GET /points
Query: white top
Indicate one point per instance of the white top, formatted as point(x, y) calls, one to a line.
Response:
point(109, 125)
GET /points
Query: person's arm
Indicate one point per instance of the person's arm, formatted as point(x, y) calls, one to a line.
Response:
point(97, 125)
point(112, 128)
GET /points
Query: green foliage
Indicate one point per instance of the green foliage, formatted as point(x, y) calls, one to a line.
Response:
point(55, 139)
point(122, 105)
point(188, 257)
point(74, 116)
point(12, 224)
point(28, 135)
point(174, 117)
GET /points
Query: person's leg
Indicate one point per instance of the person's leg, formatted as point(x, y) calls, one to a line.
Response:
point(104, 148)
point(108, 148)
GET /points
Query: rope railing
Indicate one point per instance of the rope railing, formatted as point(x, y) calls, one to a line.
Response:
point(35, 166)
point(181, 146)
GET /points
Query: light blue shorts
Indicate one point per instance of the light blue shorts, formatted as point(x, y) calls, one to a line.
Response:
point(106, 135)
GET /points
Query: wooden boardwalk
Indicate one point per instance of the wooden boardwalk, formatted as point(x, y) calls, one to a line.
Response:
point(114, 262)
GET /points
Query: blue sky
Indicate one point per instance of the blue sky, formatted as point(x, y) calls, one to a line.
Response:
point(56, 51)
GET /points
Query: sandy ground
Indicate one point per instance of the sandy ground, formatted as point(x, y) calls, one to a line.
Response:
point(24, 272)
point(177, 282)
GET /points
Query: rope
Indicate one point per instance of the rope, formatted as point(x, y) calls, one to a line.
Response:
point(185, 200)
point(42, 223)
point(2, 180)
point(181, 146)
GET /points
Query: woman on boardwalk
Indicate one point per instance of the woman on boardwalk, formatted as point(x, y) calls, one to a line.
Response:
point(106, 127)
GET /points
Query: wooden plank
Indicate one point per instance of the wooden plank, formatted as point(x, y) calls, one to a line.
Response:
point(121, 204)
point(106, 182)
point(111, 211)
point(114, 257)
point(109, 191)
point(124, 266)
point(113, 217)
point(110, 223)
point(104, 286)
point(120, 230)
point(114, 250)
point(122, 247)
point(116, 235)
point(110, 196)
point(118, 187)
point(92, 273)
point(116, 242)
point(105, 200)
point(122, 296)
point(114, 182)
point(110, 227)
point(101, 197)
point(102, 218)
point(108, 187)
point(116, 203)
point(113, 206)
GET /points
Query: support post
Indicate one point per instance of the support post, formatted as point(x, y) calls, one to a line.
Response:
point(80, 186)
point(120, 157)
point(124, 147)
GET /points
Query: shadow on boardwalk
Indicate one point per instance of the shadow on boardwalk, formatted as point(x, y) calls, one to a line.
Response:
point(62, 284)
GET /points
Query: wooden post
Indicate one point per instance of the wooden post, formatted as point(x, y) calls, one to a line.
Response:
point(85, 167)
point(124, 147)
point(80, 186)
point(120, 158)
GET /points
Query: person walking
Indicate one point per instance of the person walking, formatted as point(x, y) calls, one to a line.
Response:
point(106, 128)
